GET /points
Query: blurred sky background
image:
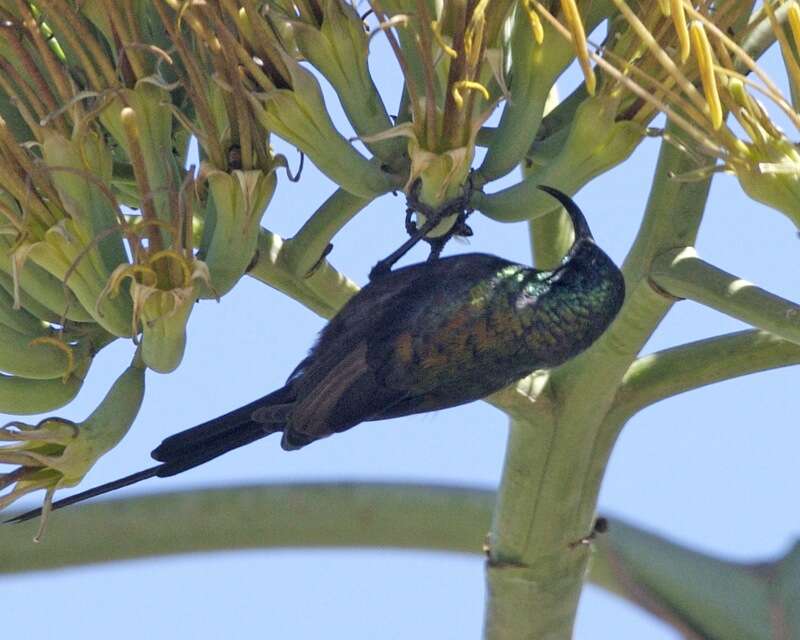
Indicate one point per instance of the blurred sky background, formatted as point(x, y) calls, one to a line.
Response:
point(714, 469)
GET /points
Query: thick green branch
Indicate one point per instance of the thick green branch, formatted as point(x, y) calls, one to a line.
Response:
point(683, 274)
point(667, 373)
point(687, 589)
point(555, 463)
point(551, 236)
point(705, 598)
point(255, 517)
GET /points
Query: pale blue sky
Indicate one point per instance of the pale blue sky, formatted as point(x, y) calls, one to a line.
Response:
point(714, 468)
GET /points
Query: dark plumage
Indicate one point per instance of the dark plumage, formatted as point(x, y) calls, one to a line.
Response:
point(421, 338)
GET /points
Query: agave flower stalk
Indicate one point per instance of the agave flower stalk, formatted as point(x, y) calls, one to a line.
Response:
point(103, 117)
point(238, 164)
point(594, 133)
point(764, 160)
point(284, 97)
point(449, 99)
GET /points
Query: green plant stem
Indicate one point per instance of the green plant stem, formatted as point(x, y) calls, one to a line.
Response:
point(303, 251)
point(254, 517)
point(728, 600)
point(324, 291)
point(762, 37)
point(703, 597)
point(667, 373)
point(551, 236)
point(683, 274)
point(555, 458)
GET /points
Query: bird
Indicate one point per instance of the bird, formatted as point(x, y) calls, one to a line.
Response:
point(415, 339)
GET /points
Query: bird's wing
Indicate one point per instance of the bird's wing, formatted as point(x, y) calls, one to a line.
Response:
point(346, 378)
point(457, 347)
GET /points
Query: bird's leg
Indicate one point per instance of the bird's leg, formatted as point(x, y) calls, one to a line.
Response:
point(416, 233)
point(433, 218)
point(384, 266)
point(460, 227)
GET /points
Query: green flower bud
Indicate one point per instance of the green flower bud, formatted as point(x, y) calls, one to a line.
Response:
point(236, 205)
point(339, 49)
point(534, 68)
point(776, 184)
point(69, 253)
point(161, 313)
point(154, 139)
point(58, 453)
point(596, 142)
point(299, 116)
point(25, 396)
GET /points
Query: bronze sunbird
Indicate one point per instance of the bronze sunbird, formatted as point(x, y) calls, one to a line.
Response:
point(420, 338)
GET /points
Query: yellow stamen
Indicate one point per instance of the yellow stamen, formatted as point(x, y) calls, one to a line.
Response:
point(470, 85)
point(772, 90)
point(793, 14)
point(679, 21)
point(665, 6)
point(473, 35)
point(661, 56)
point(536, 22)
point(709, 146)
point(437, 35)
point(575, 26)
point(705, 64)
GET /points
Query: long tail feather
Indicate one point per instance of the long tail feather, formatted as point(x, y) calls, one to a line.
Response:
point(91, 493)
point(211, 447)
point(193, 440)
point(190, 448)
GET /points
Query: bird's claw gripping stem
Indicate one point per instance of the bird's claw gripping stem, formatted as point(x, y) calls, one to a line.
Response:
point(433, 217)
